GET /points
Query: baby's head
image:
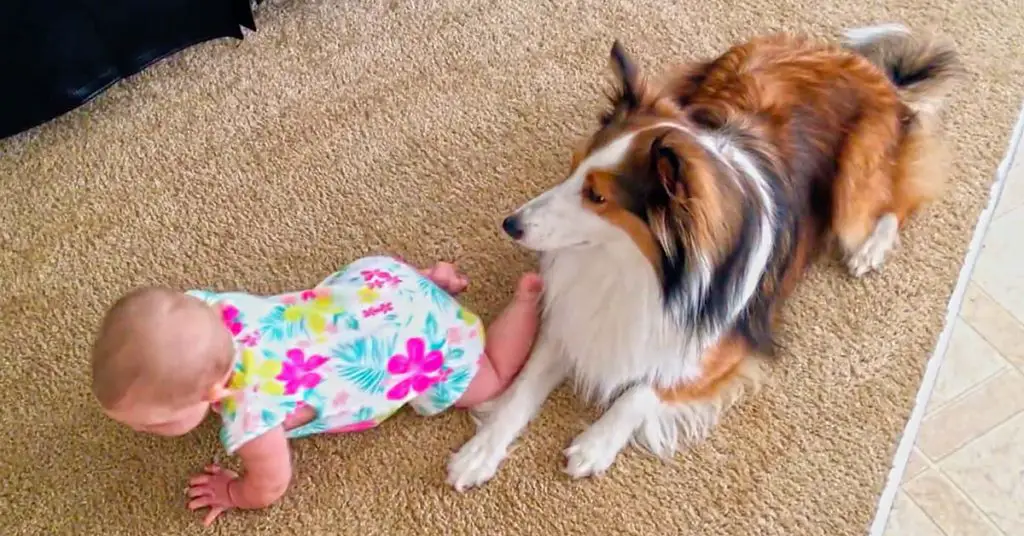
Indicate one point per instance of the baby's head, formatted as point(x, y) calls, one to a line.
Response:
point(159, 359)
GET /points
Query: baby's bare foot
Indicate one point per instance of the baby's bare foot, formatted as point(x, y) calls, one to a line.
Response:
point(448, 277)
point(529, 288)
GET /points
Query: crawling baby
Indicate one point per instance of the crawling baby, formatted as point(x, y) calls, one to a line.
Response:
point(340, 357)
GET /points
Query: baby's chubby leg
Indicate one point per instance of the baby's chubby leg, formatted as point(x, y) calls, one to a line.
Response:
point(509, 341)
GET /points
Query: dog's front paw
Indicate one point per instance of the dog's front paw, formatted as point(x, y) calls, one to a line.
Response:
point(591, 453)
point(477, 461)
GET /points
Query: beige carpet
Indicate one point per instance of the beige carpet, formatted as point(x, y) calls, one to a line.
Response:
point(343, 128)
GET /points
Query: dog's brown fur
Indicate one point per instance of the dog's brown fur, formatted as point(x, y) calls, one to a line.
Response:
point(842, 141)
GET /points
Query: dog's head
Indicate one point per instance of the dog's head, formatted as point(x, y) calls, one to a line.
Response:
point(646, 175)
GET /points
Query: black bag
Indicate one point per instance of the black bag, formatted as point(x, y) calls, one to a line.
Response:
point(56, 55)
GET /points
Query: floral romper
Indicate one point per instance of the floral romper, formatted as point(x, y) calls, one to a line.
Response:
point(356, 348)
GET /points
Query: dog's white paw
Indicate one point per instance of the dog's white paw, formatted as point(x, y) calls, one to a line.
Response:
point(876, 248)
point(477, 461)
point(591, 453)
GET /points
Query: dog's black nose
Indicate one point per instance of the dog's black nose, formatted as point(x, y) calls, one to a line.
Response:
point(513, 227)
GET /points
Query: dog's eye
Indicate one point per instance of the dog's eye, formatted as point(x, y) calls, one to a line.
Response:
point(591, 195)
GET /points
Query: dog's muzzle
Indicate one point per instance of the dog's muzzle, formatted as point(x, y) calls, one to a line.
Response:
point(513, 227)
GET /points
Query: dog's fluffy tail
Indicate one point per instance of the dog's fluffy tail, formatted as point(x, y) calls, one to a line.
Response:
point(924, 68)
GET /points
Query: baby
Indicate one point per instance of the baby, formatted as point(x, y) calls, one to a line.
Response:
point(340, 357)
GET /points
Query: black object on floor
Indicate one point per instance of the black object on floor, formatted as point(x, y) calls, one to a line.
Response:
point(55, 55)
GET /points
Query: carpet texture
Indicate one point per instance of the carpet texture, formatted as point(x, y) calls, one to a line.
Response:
point(412, 126)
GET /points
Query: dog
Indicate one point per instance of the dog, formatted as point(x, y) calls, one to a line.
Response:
point(691, 214)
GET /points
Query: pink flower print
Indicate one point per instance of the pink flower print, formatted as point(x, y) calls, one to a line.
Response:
point(378, 310)
point(376, 279)
point(416, 367)
point(251, 339)
point(310, 295)
point(340, 400)
point(289, 300)
point(229, 314)
point(370, 275)
point(454, 335)
point(298, 371)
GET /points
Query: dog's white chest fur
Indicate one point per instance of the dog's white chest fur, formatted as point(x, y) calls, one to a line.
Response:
point(603, 305)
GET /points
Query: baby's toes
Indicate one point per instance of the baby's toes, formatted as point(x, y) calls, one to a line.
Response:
point(530, 285)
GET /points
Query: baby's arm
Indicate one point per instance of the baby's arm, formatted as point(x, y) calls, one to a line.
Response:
point(266, 462)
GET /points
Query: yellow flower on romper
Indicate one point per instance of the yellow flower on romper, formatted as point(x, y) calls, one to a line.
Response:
point(367, 295)
point(257, 372)
point(469, 318)
point(314, 312)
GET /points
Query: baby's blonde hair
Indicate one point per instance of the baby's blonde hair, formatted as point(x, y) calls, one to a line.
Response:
point(170, 346)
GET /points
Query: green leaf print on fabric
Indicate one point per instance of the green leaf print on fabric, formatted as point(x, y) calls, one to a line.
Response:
point(442, 300)
point(274, 326)
point(444, 395)
point(365, 413)
point(346, 320)
point(433, 332)
point(364, 361)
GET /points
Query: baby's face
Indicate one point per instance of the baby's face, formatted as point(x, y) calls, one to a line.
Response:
point(162, 421)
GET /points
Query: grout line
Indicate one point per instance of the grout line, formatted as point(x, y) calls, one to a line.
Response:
point(970, 500)
point(940, 473)
point(995, 302)
point(978, 385)
point(979, 436)
point(925, 512)
point(927, 459)
point(931, 373)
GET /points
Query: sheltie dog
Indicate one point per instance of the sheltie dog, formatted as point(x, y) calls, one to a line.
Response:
point(693, 211)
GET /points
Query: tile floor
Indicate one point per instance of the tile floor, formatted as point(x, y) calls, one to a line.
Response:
point(965, 476)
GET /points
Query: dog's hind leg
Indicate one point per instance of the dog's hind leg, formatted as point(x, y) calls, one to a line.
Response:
point(863, 220)
point(886, 174)
point(873, 198)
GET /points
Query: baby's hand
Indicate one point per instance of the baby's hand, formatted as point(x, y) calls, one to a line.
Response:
point(210, 490)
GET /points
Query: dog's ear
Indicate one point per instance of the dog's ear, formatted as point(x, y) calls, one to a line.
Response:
point(626, 74)
point(625, 93)
point(668, 166)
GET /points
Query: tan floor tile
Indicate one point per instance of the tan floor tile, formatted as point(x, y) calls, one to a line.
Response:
point(966, 418)
point(994, 323)
point(991, 471)
point(1000, 267)
point(947, 506)
point(1013, 189)
point(969, 360)
point(907, 519)
point(916, 464)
